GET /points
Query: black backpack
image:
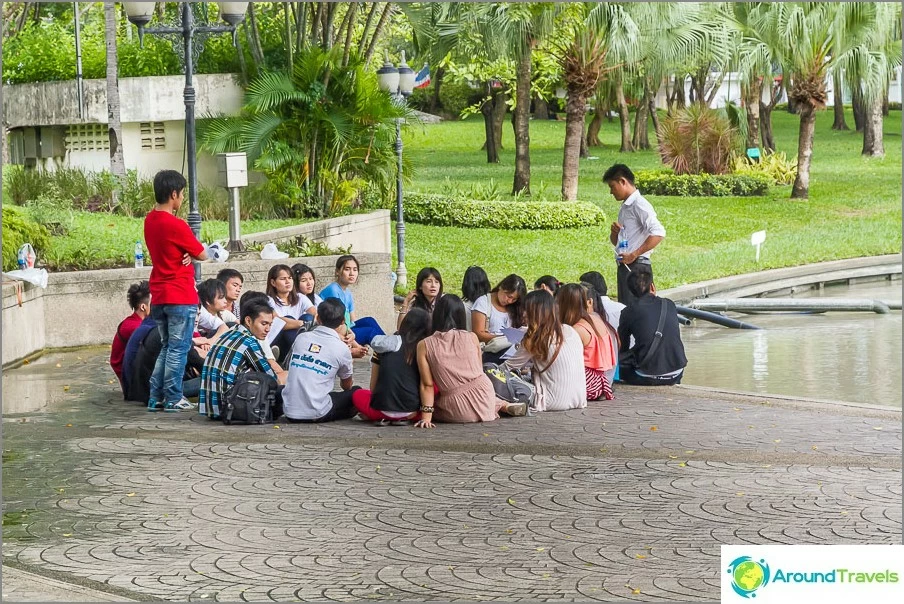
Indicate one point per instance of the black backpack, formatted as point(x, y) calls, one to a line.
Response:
point(250, 400)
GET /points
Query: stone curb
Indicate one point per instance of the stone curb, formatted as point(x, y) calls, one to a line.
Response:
point(21, 585)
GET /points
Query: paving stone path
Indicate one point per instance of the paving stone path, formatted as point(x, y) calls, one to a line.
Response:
point(625, 500)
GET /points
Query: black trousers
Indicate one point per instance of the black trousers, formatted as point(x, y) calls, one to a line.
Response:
point(624, 294)
point(627, 375)
point(342, 408)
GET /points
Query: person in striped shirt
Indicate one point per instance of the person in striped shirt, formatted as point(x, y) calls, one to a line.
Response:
point(236, 351)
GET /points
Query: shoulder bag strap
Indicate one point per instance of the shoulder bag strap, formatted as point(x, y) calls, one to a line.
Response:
point(657, 337)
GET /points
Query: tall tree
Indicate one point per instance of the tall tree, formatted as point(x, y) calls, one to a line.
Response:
point(117, 164)
point(838, 103)
point(605, 28)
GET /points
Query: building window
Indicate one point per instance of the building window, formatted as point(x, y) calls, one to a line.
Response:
point(153, 137)
point(87, 137)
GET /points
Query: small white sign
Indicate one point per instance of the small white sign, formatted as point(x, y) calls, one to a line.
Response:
point(757, 240)
point(812, 573)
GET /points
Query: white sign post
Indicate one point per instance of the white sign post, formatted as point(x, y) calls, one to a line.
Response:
point(757, 240)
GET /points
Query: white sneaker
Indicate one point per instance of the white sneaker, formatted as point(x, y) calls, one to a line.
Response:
point(182, 405)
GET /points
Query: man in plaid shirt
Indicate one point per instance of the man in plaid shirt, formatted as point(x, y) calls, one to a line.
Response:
point(237, 350)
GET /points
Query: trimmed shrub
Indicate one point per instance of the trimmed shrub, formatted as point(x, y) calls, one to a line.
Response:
point(439, 210)
point(702, 185)
point(18, 229)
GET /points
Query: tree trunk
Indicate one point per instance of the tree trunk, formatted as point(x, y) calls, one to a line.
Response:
point(377, 32)
point(624, 117)
point(437, 82)
point(287, 10)
point(117, 165)
point(766, 135)
point(541, 109)
point(872, 129)
point(316, 21)
point(486, 108)
point(367, 24)
point(257, 51)
point(328, 36)
point(838, 107)
point(593, 129)
point(655, 117)
point(858, 106)
point(574, 130)
point(500, 108)
point(641, 124)
point(521, 123)
point(885, 102)
point(585, 151)
point(754, 95)
point(792, 106)
point(349, 23)
point(801, 189)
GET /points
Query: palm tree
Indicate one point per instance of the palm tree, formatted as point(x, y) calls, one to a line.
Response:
point(814, 38)
point(606, 28)
point(319, 131)
point(874, 32)
point(520, 28)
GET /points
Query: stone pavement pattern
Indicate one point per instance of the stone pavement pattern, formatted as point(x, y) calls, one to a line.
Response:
point(627, 499)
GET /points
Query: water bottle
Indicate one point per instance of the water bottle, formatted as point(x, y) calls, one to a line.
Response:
point(21, 259)
point(139, 255)
point(622, 247)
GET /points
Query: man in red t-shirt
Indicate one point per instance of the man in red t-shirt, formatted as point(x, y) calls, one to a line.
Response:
point(171, 245)
point(140, 301)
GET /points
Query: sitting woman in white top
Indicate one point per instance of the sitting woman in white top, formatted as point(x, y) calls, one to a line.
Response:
point(212, 297)
point(318, 358)
point(499, 309)
point(556, 354)
point(474, 285)
point(305, 284)
point(288, 306)
point(365, 328)
point(428, 289)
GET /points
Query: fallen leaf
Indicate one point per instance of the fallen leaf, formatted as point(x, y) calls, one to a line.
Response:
point(815, 448)
point(65, 388)
point(68, 425)
point(737, 408)
point(636, 591)
point(503, 547)
point(540, 549)
point(640, 556)
point(130, 494)
point(486, 434)
point(58, 365)
point(777, 440)
point(877, 427)
point(67, 534)
point(26, 362)
point(653, 428)
point(109, 381)
point(690, 451)
point(682, 465)
point(61, 490)
point(276, 427)
point(510, 501)
point(740, 493)
point(673, 457)
point(844, 513)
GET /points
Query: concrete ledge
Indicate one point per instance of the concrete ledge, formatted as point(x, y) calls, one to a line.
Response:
point(763, 282)
point(83, 308)
point(23, 586)
point(361, 232)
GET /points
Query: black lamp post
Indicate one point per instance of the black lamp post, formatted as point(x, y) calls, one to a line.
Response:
point(233, 13)
point(398, 82)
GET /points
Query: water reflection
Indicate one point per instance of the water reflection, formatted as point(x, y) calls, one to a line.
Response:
point(841, 356)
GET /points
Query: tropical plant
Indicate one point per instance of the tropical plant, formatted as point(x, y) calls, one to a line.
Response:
point(697, 140)
point(599, 30)
point(775, 166)
point(315, 130)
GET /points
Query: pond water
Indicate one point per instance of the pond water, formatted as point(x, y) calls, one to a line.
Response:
point(853, 357)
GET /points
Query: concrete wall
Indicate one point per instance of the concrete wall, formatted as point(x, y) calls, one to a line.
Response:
point(364, 232)
point(83, 308)
point(157, 99)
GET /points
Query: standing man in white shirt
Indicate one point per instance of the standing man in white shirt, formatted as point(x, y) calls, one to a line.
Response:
point(642, 229)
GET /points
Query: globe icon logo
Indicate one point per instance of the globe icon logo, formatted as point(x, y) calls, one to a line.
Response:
point(748, 575)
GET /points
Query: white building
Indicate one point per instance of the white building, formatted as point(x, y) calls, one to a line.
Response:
point(45, 128)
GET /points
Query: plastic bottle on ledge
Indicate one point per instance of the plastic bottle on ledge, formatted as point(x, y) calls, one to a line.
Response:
point(139, 255)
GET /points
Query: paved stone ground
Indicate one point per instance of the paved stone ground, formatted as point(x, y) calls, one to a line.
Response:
point(625, 500)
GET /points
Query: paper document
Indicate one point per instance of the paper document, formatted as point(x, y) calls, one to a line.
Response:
point(275, 328)
point(508, 353)
point(513, 335)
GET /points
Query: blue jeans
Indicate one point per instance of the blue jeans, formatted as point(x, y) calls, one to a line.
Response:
point(176, 323)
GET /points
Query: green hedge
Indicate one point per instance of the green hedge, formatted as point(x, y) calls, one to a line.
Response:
point(440, 210)
point(18, 229)
point(701, 185)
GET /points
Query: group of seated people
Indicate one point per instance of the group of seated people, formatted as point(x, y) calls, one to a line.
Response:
point(569, 340)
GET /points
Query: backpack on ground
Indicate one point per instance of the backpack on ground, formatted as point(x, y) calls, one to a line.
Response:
point(250, 400)
point(509, 386)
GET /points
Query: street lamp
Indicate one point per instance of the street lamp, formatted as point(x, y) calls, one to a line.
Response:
point(399, 83)
point(233, 13)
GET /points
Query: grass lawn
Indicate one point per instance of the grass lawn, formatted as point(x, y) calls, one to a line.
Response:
point(854, 208)
point(101, 240)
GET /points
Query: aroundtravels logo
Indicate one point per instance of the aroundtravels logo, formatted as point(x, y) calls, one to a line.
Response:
point(748, 575)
